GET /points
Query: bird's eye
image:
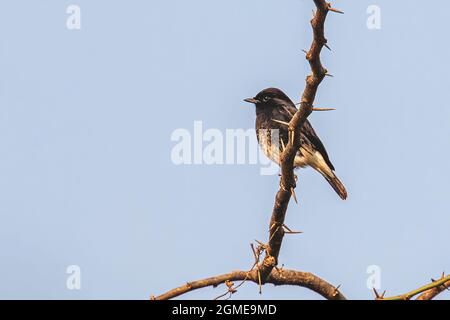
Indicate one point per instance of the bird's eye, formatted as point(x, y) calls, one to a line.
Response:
point(266, 98)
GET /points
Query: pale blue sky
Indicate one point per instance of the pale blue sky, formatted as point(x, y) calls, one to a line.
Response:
point(86, 117)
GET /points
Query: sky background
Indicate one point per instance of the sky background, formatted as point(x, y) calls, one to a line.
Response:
point(86, 117)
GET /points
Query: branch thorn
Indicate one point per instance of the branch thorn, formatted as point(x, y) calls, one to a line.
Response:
point(336, 291)
point(280, 122)
point(291, 136)
point(294, 195)
point(323, 109)
point(289, 231)
point(259, 282)
point(334, 10)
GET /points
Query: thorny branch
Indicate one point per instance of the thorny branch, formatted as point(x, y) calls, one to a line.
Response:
point(267, 271)
point(435, 288)
point(276, 277)
point(288, 182)
point(427, 292)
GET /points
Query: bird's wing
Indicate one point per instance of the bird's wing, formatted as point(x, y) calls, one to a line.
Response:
point(309, 138)
point(313, 142)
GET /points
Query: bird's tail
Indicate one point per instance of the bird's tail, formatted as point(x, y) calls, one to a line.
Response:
point(336, 184)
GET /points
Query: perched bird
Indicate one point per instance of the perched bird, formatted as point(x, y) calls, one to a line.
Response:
point(274, 110)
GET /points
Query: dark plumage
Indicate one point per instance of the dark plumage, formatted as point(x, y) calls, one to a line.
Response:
point(272, 104)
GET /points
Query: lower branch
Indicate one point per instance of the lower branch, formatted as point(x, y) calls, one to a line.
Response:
point(430, 294)
point(276, 277)
point(427, 292)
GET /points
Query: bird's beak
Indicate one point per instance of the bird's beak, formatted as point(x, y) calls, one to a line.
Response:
point(251, 100)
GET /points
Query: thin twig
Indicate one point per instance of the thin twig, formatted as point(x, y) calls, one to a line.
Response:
point(440, 285)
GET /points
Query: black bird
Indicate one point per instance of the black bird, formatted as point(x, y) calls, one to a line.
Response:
point(274, 110)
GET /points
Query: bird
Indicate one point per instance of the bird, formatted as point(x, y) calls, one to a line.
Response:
point(274, 110)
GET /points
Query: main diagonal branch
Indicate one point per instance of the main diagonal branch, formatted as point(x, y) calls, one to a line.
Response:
point(265, 272)
point(287, 182)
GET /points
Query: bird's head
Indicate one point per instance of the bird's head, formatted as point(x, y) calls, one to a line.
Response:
point(270, 98)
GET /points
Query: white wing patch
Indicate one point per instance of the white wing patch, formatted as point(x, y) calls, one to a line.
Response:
point(270, 146)
point(313, 159)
